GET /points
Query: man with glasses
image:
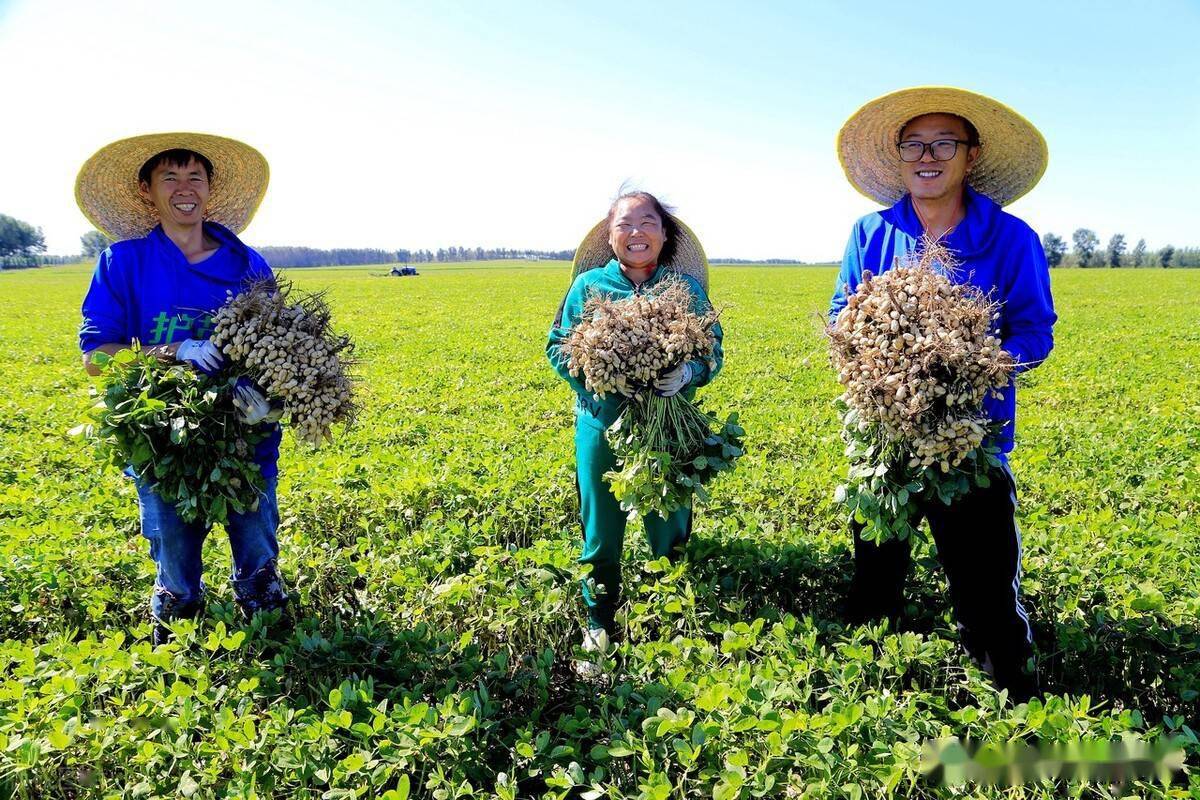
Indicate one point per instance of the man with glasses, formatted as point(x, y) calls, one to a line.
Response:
point(944, 161)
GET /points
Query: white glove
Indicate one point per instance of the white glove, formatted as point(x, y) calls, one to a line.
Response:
point(201, 354)
point(595, 640)
point(252, 407)
point(672, 381)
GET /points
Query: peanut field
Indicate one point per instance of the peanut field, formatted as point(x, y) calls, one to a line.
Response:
point(431, 551)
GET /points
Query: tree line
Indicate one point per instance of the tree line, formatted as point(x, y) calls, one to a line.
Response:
point(94, 243)
point(454, 254)
point(314, 257)
point(23, 245)
point(761, 261)
point(1086, 252)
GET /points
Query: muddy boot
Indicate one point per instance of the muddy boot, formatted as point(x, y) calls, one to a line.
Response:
point(264, 591)
point(161, 634)
point(171, 609)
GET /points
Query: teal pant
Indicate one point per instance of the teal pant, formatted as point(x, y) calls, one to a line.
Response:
point(604, 523)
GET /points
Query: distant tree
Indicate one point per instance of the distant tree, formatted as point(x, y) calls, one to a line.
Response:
point(1055, 249)
point(1165, 255)
point(94, 243)
point(1086, 242)
point(1138, 256)
point(19, 238)
point(1116, 249)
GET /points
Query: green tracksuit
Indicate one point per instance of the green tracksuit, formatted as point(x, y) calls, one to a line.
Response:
point(603, 519)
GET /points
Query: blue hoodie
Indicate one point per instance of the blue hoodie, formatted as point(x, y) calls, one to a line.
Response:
point(145, 289)
point(999, 254)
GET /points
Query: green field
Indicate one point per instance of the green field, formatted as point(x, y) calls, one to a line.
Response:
point(432, 552)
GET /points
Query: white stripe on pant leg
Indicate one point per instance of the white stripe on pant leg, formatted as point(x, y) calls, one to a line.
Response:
point(1016, 584)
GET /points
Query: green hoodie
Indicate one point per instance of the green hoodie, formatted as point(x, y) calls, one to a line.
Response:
point(611, 281)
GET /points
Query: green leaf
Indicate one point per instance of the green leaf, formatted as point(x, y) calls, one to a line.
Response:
point(401, 792)
point(188, 785)
point(461, 726)
point(218, 510)
point(1149, 598)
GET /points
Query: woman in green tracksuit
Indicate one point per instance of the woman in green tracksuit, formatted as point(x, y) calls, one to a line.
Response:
point(649, 245)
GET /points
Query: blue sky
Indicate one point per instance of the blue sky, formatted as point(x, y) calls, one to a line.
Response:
point(512, 124)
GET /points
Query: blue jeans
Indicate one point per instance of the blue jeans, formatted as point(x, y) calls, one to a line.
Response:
point(176, 549)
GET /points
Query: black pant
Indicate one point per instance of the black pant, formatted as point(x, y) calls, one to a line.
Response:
point(979, 546)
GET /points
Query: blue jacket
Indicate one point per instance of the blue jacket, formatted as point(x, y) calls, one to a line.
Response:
point(999, 254)
point(610, 280)
point(145, 289)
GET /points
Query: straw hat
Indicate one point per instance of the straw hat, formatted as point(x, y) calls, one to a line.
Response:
point(1011, 160)
point(594, 251)
point(106, 188)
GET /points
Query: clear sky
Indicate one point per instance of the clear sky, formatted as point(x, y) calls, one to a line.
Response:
point(512, 124)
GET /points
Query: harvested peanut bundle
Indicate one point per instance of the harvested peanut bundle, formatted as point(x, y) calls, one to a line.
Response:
point(917, 355)
point(622, 345)
point(283, 340)
point(666, 448)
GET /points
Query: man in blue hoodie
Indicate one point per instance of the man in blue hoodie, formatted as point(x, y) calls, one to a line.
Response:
point(171, 201)
point(945, 161)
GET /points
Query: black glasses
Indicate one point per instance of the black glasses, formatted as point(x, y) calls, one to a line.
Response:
point(941, 150)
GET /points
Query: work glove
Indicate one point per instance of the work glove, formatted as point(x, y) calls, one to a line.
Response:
point(253, 407)
point(597, 646)
point(674, 380)
point(201, 354)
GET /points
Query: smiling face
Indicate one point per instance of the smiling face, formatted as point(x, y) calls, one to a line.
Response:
point(636, 232)
point(929, 179)
point(178, 193)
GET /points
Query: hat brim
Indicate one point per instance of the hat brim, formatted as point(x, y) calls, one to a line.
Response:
point(689, 258)
point(1012, 156)
point(106, 188)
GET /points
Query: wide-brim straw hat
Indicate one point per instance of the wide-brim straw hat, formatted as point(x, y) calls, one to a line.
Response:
point(1012, 155)
point(106, 188)
point(689, 259)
